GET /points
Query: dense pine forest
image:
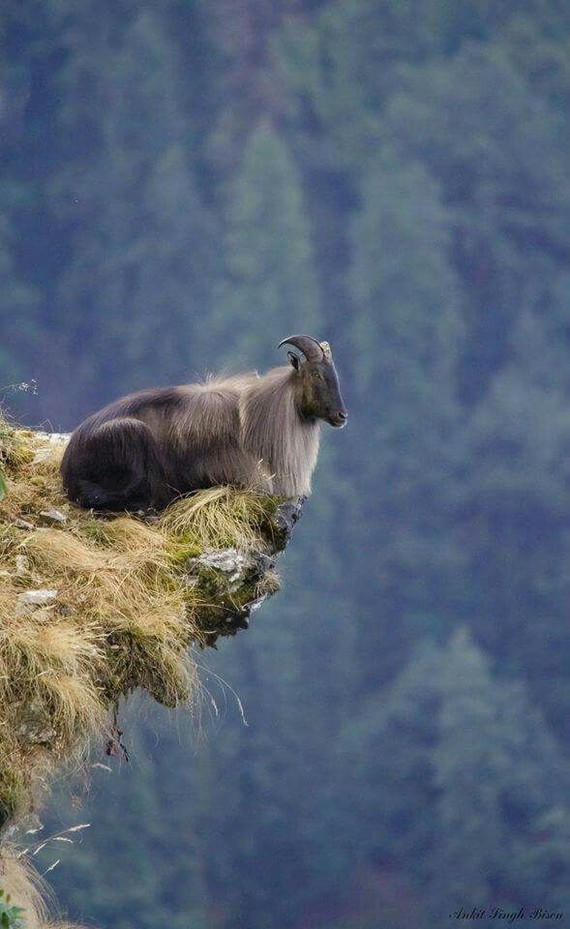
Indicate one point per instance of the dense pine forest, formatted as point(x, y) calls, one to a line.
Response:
point(184, 183)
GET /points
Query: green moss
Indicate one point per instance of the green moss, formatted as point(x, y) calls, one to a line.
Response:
point(15, 445)
point(178, 551)
point(94, 531)
point(139, 660)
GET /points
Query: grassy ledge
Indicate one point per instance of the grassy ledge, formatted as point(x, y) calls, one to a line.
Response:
point(92, 608)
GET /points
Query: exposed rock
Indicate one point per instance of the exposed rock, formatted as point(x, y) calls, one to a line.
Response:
point(53, 516)
point(255, 604)
point(235, 583)
point(33, 723)
point(22, 565)
point(286, 516)
point(230, 567)
point(31, 600)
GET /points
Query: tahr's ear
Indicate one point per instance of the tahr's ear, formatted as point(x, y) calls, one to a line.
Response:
point(294, 359)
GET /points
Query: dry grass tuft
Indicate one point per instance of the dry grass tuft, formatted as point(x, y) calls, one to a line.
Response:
point(220, 517)
point(92, 608)
point(26, 889)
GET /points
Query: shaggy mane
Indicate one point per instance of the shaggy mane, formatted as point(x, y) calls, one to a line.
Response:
point(273, 432)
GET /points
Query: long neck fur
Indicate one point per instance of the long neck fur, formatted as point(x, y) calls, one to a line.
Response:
point(275, 433)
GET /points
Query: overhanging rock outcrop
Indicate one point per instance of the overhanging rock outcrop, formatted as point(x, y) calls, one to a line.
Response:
point(92, 607)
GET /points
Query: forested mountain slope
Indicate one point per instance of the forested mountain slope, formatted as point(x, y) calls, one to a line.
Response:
point(183, 185)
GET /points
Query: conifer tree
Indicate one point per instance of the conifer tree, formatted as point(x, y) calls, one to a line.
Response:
point(140, 268)
point(269, 289)
point(469, 762)
point(461, 785)
point(496, 150)
point(407, 339)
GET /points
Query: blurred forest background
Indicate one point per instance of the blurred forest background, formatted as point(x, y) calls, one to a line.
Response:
point(186, 182)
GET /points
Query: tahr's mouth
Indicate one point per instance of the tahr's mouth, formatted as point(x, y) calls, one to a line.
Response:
point(338, 420)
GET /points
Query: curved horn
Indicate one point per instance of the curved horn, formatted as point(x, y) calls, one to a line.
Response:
point(312, 350)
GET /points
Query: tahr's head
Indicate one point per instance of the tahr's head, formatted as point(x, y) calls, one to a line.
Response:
point(319, 388)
